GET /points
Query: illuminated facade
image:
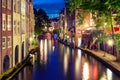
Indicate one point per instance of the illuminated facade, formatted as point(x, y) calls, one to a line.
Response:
point(23, 28)
point(61, 24)
point(5, 35)
point(16, 32)
point(16, 27)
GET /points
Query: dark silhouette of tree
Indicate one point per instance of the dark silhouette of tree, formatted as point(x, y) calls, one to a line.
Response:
point(41, 21)
point(35, 11)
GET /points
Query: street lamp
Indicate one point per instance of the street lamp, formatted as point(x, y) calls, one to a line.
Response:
point(110, 42)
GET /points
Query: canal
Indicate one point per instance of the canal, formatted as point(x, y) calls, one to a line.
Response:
point(59, 62)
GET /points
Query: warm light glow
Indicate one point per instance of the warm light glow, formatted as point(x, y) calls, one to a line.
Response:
point(30, 39)
point(67, 36)
point(31, 55)
point(105, 24)
point(85, 71)
point(45, 27)
point(79, 42)
point(53, 48)
point(65, 63)
point(86, 25)
point(41, 50)
point(77, 65)
point(83, 31)
point(68, 50)
point(109, 74)
point(45, 51)
point(110, 42)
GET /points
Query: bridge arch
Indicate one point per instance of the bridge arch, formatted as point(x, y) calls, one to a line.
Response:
point(6, 63)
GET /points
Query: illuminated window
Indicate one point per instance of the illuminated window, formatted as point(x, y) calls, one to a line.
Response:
point(9, 23)
point(9, 4)
point(3, 42)
point(4, 3)
point(9, 41)
point(3, 22)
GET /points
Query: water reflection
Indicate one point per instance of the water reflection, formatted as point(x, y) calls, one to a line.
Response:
point(64, 63)
point(109, 74)
point(83, 67)
point(45, 51)
point(85, 71)
point(77, 65)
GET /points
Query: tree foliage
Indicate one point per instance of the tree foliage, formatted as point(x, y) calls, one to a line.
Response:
point(56, 31)
point(41, 20)
point(101, 9)
point(102, 12)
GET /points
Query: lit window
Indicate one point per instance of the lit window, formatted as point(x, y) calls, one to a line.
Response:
point(9, 41)
point(9, 4)
point(4, 3)
point(3, 22)
point(9, 23)
point(3, 42)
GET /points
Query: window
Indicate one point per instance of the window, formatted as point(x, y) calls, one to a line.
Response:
point(18, 6)
point(14, 5)
point(9, 4)
point(14, 27)
point(4, 3)
point(3, 22)
point(3, 42)
point(9, 23)
point(18, 28)
point(9, 41)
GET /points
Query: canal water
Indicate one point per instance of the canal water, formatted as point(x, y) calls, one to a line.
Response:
point(59, 62)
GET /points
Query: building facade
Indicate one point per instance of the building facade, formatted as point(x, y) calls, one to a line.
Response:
point(5, 35)
point(16, 27)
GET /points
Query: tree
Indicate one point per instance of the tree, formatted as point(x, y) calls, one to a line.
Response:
point(56, 31)
point(101, 10)
point(41, 21)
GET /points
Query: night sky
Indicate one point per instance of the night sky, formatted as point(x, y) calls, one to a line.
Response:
point(51, 7)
